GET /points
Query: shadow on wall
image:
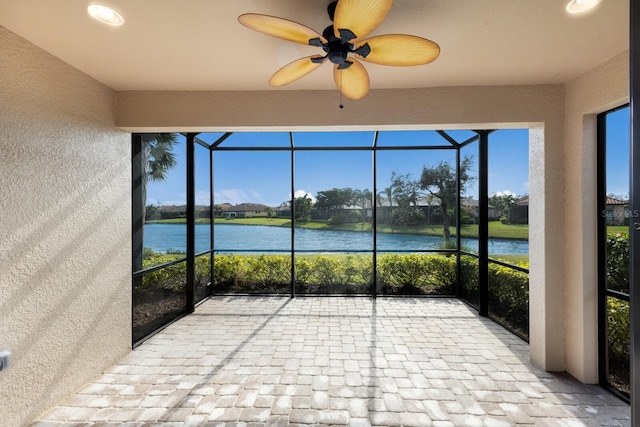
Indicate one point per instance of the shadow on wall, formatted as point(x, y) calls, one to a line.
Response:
point(59, 309)
point(45, 229)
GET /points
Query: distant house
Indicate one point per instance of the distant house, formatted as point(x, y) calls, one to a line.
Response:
point(519, 214)
point(170, 211)
point(173, 211)
point(282, 212)
point(473, 208)
point(246, 210)
point(617, 211)
point(431, 208)
point(219, 210)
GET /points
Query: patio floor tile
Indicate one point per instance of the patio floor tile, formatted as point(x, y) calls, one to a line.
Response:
point(276, 361)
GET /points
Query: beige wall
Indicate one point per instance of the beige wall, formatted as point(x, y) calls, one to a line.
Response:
point(65, 251)
point(599, 90)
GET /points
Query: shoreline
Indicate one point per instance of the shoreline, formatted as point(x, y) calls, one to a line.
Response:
point(314, 225)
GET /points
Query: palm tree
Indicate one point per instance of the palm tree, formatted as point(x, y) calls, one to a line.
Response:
point(389, 193)
point(217, 210)
point(379, 199)
point(364, 196)
point(157, 159)
point(302, 208)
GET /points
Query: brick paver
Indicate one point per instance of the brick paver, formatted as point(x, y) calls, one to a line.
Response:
point(275, 361)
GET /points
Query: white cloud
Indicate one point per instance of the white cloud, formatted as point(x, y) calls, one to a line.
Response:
point(257, 198)
point(619, 193)
point(504, 193)
point(233, 196)
point(302, 193)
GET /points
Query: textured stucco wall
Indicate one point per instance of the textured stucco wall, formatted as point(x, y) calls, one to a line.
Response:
point(65, 251)
point(541, 108)
point(599, 90)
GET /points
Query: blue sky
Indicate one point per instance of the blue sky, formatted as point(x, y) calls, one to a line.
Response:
point(618, 153)
point(264, 176)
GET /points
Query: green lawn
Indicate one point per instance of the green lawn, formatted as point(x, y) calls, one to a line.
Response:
point(496, 229)
point(521, 260)
point(178, 221)
point(622, 229)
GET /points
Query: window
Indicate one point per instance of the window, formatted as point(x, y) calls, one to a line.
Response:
point(613, 248)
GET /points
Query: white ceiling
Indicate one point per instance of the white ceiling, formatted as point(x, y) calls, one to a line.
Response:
point(199, 44)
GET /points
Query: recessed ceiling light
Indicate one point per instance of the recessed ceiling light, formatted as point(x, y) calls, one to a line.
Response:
point(106, 15)
point(579, 6)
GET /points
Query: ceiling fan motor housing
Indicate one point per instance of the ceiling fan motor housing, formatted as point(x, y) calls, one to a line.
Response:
point(338, 48)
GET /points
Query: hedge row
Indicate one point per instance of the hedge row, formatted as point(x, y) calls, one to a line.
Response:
point(397, 274)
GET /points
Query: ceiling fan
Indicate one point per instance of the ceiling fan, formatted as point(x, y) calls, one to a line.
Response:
point(344, 44)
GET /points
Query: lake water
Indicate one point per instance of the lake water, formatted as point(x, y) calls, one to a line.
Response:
point(257, 238)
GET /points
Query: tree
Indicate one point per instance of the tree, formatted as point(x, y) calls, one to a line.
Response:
point(157, 159)
point(217, 210)
point(388, 192)
point(359, 198)
point(366, 196)
point(150, 210)
point(333, 199)
point(405, 194)
point(441, 181)
point(302, 208)
point(503, 201)
point(270, 212)
point(347, 196)
point(405, 189)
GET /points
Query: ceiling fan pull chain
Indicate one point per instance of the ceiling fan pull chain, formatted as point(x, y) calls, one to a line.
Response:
point(341, 106)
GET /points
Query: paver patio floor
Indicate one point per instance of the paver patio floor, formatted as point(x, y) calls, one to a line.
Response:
point(269, 361)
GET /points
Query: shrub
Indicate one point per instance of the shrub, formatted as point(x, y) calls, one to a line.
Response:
point(203, 270)
point(148, 252)
point(337, 220)
point(509, 297)
point(333, 272)
point(469, 279)
point(172, 278)
point(417, 273)
point(443, 273)
point(617, 248)
point(407, 215)
point(304, 270)
point(228, 270)
point(268, 270)
point(618, 328)
point(175, 251)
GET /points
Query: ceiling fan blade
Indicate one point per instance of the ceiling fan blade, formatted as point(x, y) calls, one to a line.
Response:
point(279, 27)
point(353, 82)
point(296, 70)
point(399, 50)
point(360, 16)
